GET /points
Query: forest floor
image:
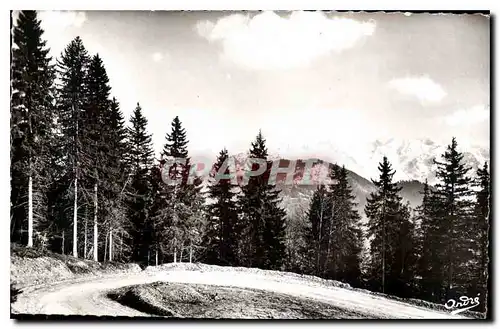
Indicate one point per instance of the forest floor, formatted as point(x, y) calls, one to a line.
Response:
point(52, 284)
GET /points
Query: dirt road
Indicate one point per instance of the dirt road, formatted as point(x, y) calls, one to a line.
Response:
point(88, 296)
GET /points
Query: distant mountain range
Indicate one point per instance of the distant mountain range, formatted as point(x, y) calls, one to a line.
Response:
point(296, 197)
point(412, 160)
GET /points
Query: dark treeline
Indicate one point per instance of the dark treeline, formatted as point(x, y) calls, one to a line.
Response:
point(85, 182)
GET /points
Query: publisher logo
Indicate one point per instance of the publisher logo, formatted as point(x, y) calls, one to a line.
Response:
point(463, 303)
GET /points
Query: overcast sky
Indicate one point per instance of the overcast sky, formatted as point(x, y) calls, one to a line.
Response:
point(303, 78)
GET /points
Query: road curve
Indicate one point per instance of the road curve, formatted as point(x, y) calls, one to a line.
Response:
point(88, 296)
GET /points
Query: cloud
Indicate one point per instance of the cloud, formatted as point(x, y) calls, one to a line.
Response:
point(157, 57)
point(269, 41)
point(423, 88)
point(55, 24)
point(315, 124)
point(474, 115)
point(60, 20)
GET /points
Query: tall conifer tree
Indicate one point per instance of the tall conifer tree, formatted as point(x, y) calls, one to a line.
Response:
point(32, 127)
point(179, 218)
point(382, 209)
point(317, 234)
point(262, 216)
point(453, 191)
point(345, 236)
point(72, 95)
point(221, 234)
point(140, 163)
point(96, 148)
point(482, 216)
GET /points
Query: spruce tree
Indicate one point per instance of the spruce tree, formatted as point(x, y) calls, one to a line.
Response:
point(116, 184)
point(319, 217)
point(429, 235)
point(72, 69)
point(176, 141)
point(221, 234)
point(426, 243)
point(175, 148)
point(345, 236)
point(179, 219)
point(274, 230)
point(32, 128)
point(140, 163)
point(263, 219)
point(382, 209)
point(453, 191)
point(405, 255)
point(96, 147)
point(481, 227)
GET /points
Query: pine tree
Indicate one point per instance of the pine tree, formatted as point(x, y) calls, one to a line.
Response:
point(382, 209)
point(72, 73)
point(140, 163)
point(453, 192)
point(32, 126)
point(263, 219)
point(221, 233)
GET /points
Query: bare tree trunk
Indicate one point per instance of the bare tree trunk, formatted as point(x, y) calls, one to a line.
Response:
point(450, 250)
point(105, 247)
point(75, 202)
point(328, 248)
point(156, 257)
point(85, 243)
point(383, 253)
point(175, 223)
point(75, 220)
point(30, 190)
point(182, 250)
point(111, 245)
point(319, 240)
point(190, 252)
point(403, 252)
point(30, 211)
point(95, 223)
point(121, 245)
point(62, 244)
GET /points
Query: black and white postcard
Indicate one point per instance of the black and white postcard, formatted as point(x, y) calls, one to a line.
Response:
point(250, 165)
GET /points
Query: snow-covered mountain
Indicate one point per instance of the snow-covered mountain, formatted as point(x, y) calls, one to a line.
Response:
point(296, 197)
point(413, 159)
